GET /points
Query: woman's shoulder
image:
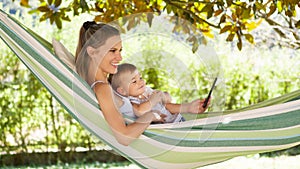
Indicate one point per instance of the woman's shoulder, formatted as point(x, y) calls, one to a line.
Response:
point(98, 82)
point(102, 89)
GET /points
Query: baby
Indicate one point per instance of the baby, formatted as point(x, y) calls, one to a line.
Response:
point(135, 98)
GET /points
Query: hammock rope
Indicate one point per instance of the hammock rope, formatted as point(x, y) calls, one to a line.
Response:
point(268, 126)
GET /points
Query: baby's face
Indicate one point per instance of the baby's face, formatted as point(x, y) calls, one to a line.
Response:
point(136, 84)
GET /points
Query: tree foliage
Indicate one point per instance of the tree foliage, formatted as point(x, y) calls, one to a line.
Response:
point(32, 120)
point(235, 18)
point(30, 117)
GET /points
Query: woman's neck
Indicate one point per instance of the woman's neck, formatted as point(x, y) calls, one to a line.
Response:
point(102, 77)
point(99, 76)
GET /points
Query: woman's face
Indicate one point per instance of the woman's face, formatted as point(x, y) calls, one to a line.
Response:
point(109, 55)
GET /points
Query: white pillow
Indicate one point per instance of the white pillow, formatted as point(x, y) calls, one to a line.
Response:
point(63, 54)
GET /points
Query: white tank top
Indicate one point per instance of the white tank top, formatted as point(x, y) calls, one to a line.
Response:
point(126, 109)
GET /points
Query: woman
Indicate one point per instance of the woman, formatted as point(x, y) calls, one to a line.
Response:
point(97, 55)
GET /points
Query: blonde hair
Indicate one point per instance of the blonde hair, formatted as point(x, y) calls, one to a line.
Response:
point(115, 79)
point(94, 35)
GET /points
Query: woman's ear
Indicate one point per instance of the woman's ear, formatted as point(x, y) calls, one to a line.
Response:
point(91, 51)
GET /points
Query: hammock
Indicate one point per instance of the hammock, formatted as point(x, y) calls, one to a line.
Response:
point(268, 126)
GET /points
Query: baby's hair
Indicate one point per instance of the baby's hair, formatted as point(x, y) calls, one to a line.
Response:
point(115, 79)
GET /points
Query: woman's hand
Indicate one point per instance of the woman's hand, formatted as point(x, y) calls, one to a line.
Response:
point(158, 117)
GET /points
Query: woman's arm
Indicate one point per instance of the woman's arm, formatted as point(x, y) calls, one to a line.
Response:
point(124, 134)
point(155, 98)
point(140, 109)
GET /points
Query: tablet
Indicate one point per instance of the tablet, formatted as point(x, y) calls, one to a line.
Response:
point(209, 94)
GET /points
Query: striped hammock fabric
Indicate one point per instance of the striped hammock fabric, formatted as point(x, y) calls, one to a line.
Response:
point(268, 126)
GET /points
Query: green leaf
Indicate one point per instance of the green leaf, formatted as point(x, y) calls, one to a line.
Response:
point(58, 22)
point(279, 6)
point(233, 17)
point(218, 12)
point(66, 18)
point(229, 2)
point(50, 2)
point(210, 14)
point(195, 46)
point(249, 38)
point(289, 13)
point(298, 24)
point(239, 45)
point(169, 9)
point(208, 9)
point(272, 10)
point(52, 18)
point(57, 3)
point(43, 9)
point(203, 40)
point(150, 18)
point(192, 38)
point(45, 16)
point(225, 29)
point(246, 14)
point(33, 11)
point(130, 23)
point(24, 3)
point(84, 6)
point(238, 11)
point(230, 37)
point(252, 25)
point(222, 19)
point(260, 6)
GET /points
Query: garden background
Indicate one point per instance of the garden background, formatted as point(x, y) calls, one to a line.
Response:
point(32, 122)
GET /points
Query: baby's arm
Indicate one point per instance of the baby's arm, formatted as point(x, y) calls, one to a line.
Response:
point(174, 108)
point(192, 107)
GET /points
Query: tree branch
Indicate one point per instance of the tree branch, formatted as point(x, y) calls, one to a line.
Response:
point(192, 14)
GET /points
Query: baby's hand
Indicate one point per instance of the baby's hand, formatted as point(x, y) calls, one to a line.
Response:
point(196, 106)
point(202, 103)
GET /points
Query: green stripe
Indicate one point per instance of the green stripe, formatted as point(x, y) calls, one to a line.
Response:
point(209, 142)
point(282, 120)
point(226, 135)
point(194, 157)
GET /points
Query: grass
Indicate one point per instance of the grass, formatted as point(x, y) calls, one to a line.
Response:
point(256, 162)
point(245, 162)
